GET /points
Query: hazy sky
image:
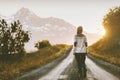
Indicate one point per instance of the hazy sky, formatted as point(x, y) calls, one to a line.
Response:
point(88, 13)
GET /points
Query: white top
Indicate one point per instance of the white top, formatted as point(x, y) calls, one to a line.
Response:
point(80, 44)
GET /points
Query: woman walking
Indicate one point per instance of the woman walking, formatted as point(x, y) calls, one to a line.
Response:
point(80, 48)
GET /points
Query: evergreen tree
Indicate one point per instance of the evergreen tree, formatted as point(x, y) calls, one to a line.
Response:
point(12, 38)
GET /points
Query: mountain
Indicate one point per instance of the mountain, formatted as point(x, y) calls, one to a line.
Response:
point(53, 29)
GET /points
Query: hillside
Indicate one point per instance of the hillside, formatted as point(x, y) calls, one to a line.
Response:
point(108, 48)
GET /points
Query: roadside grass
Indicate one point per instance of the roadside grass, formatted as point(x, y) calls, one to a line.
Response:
point(112, 55)
point(12, 66)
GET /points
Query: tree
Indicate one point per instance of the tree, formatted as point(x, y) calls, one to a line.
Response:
point(12, 38)
point(42, 44)
point(111, 22)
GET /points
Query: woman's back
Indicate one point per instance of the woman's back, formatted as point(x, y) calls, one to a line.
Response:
point(80, 44)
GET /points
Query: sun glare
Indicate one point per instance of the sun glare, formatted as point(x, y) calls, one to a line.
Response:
point(102, 32)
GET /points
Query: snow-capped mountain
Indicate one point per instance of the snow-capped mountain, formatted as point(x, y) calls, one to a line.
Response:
point(53, 29)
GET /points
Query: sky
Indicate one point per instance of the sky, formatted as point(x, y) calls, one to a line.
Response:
point(87, 13)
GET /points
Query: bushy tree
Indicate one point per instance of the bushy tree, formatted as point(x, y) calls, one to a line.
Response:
point(12, 38)
point(42, 44)
point(111, 22)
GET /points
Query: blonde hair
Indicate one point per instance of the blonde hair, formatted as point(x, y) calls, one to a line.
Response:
point(79, 30)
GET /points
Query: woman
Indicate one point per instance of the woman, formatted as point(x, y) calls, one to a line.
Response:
point(80, 48)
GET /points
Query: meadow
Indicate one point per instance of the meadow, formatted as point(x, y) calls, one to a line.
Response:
point(12, 66)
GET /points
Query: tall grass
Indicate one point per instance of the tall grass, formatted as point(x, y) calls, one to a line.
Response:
point(13, 66)
point(109, 55)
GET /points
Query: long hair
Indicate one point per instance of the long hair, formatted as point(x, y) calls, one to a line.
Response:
point(79, 30)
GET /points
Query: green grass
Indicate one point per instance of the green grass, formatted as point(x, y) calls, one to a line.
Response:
point(13, 66)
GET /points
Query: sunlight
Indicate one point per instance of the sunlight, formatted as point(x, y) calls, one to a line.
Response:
point(102, 32)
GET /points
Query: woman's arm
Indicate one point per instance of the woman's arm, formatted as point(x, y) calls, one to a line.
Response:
point(75, 42)
point(86, 44)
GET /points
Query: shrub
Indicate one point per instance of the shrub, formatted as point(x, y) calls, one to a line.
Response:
point(42, 44)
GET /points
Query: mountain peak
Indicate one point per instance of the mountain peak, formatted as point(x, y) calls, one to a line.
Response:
point(24, 10)
point(24, 13)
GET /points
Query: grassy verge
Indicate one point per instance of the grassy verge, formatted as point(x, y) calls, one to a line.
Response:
point(14, 66)
point(111, 56)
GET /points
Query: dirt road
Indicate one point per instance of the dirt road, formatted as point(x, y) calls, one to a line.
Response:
point(67, 70)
